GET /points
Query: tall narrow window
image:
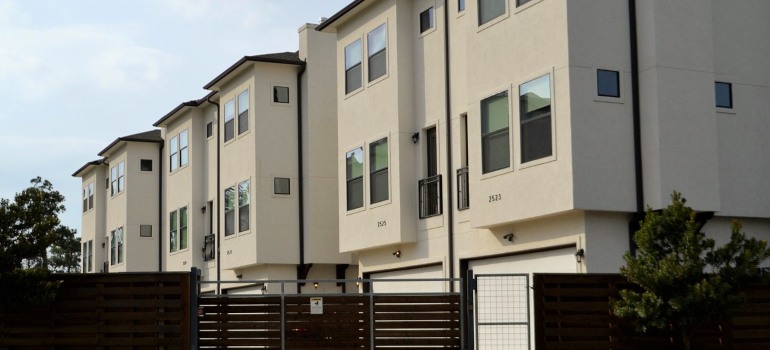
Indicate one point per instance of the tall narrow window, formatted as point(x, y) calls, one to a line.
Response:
point(490, 9)
point(113, 249)
point(495, 142)
point(243, 112)
point(463, 201)
point(243, 206)
point(121, 176)
point(353, 66)
point(535, 116)
point(119, 236)
point(91, 190)
point(183, 228)
point(85, 256)
point(229, 120)
point(85, 199)
point(183, 149)
point(377, 43)
point(230, 211)
point(90, 256)
point(431, 149)
point(378, 170)
point(173, 229)
point(354, 176)
point(173, 151)
point(209, 129)
point(460, 5)
point(430, 187)
point(724, 94)
point(426, 20)
point(117, 176)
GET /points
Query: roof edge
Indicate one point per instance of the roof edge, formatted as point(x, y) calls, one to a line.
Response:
point(191, 103)
point(339, 15)
point(152, 136)
point(93, 162)
point(257, 58)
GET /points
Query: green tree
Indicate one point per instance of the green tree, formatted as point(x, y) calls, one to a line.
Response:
point(31, 234)
point(685, 280)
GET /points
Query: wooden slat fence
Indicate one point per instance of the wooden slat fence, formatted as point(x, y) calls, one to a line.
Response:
point(572, 311)
point(105, 311)
point(400, 321)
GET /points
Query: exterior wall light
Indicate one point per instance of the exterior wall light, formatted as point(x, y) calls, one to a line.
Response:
point(315, 285)
point(415, 137)
point(509, 237)
point(397, 253)
point(580, 254)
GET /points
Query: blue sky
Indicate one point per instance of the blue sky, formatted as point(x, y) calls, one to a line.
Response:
point(76, 74)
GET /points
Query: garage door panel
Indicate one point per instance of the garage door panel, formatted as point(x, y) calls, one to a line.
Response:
point(427, 272)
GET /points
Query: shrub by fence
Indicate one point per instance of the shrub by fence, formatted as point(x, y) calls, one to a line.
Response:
point(137, 311)
point(573, 311)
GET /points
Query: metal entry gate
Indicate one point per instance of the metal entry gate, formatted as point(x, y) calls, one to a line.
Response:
point(501, 312)
point(331, 321)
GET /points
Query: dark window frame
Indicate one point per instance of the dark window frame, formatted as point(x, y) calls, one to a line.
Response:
point(601, 76)
point(277, 96)
point(277, 186)
point(427, 20)
point(729, 96)
point(145, 164)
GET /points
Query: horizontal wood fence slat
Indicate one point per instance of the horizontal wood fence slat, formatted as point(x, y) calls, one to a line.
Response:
point(137, 311)
point(573, 311)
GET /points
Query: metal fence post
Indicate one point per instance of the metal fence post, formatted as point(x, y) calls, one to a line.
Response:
point(194, 276)
point(283, 317)
point(371, 319)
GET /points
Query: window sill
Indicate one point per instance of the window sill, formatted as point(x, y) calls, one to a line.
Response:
point(353, 93)
point(537, 162)
point(380, 203)
point(378, 79)
point(494, 21)
point(496, 173)
point(609, 99)
point(172, 172)
point(722, 110)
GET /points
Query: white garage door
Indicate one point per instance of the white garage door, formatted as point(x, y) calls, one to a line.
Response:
point(420, 273)
point(247, 290)
point(502, 299)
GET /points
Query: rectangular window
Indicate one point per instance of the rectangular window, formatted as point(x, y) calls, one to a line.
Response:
point(85, 257)
point(535, 116)
point(280, 94)
point(521, 2)
point(172, 232)
point(209, 130)
point(353, 66)
point(426, 20)
point(145, 230)
point(145, 165)
point(724, 94)
point(243, 206)
point(85, 199)
point(173, 151)
point(90, 256)
point(378, 170)
point(88, 197)
point(490, 9)
point(377, 43)
point(229, 120)
point(243, 112)
point(281, 185)
point(183, 228)
point(607, 83)
point(183, 149)
point(431, 154)
point(495, 141)
point(460, 5)
point(119, 236)
point(113, 248)
point(354, 176)
point(230, 211)
point(117, 176)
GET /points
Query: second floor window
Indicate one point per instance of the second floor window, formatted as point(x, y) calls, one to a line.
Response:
point(495, 142)
point(88, 197)
point(117, 178)
point(244, 195)
point(377, 44)
point(535, 116)
point(178, 236)
point(354, 177)
point(230, 211)
point(378, 171)
point(353, 66)
point(490, 9)
point(116, 246)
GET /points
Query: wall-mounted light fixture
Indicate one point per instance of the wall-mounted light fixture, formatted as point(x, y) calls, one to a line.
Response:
point(239, 276)
point(315, 285)
point(203, 210)
point(509, 237)
point(415, 137)
point(397, 253)
point(358, 282)
point(264, 288)
point(580, 254)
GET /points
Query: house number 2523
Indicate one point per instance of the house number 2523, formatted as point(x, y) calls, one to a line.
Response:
point(495, 198)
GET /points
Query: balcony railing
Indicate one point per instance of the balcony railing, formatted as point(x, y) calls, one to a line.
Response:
point(209, 248)
point(430, 196)
point(463, 201)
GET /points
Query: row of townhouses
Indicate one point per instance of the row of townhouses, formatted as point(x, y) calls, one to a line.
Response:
point(429, 138)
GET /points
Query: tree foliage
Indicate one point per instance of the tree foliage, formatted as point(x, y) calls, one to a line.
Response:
point(685, 280)
point(34, 243)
